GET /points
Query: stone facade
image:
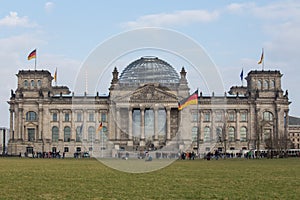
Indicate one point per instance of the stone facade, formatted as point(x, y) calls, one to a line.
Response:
point(142, 114)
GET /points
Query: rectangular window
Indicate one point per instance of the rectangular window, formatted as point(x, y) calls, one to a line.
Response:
point(67, 117)
point(231, 117)
point(194, 116)
point(66, 149)
point(207, 116)
point(243, 116)
point(91, 117)
point(103, 117)
point(79, 117)
point(31, 134)
point(54, 117)
point(78, 149)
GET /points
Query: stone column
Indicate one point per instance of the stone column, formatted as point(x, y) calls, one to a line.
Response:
point(130, 141)
point(213, 128)
point(155, 124)
point(142, 142)
point(130, 123)
point(168, 123)
point(11, 124)
point(16, 124)
point(40, 126)
point(60, 126)
point(118, 136)
point(21, 123)
point(237, 125)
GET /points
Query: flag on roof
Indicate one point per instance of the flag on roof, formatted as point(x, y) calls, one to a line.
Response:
point(192, 99)
point(32, 55)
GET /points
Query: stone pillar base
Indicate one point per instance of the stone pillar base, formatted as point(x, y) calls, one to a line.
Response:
point(142, 143)
point(130, 143)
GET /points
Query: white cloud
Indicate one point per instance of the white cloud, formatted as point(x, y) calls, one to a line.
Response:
point(49, 6)
point(177, 18)
point(14, 20)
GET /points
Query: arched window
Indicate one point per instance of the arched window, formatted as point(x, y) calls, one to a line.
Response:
point(91, 134)
point(194, 134)
point(31, 116)
point(55, 134)
point(268, 116)
point(266, 84)
point(219, 134)
point(272, 84)
point(32, 83)
point(104, 129)
point(206, 134)
point(67, 134)
point(243, 134)
point(79, 133)
point(25, 83)
point(39, 83)
point(231, 131)
point(259, 84)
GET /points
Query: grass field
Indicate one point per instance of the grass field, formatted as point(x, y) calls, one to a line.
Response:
point(22, 178)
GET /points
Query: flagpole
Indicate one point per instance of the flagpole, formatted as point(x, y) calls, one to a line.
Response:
point(198, 132)
point(35, 60)
point(263, 61)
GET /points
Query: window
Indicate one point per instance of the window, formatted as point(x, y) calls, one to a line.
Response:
point(104, 129)
point(206, 134)
point(55, 134)
point(272, 84)
point(243, 134)
point(39, 83)
point(54, 117)
point(32, 83)
point(31, 134)
point(268, 116)
point(219, 134)
point(78, 149)
point(67, 134)
point(79, 117)
point(91, 117)
point(25, 83)
point(207, 116)
point(194, 134)
point(267, 134)
point(231, 116)
point(31, 116)
point(243, 116)
point(103, 117)
point(91, 134)
point(266, 84)
point(194, 116)
point(54, 149)
point(259, 84)
point(231, 137)
point(79, 133)
point(67, 117)
point(66, 149)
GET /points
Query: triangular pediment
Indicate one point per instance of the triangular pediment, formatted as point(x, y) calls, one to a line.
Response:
point(152, 92)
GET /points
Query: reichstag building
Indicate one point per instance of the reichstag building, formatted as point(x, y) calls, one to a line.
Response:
point(141, 114)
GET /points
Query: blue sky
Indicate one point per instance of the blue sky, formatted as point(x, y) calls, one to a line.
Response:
point(231, 32)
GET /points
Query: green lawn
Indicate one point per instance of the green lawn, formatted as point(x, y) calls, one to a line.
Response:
point(22, 178)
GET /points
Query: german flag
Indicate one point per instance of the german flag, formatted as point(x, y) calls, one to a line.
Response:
point(32, 55)
point(100, 127)
point(192, 99)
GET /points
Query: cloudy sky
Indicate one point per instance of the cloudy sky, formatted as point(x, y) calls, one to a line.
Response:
point(232, 33)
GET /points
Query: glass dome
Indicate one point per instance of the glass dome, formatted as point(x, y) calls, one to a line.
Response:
point(149, 70)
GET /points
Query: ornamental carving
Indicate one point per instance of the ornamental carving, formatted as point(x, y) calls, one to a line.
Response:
point(152, 93)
